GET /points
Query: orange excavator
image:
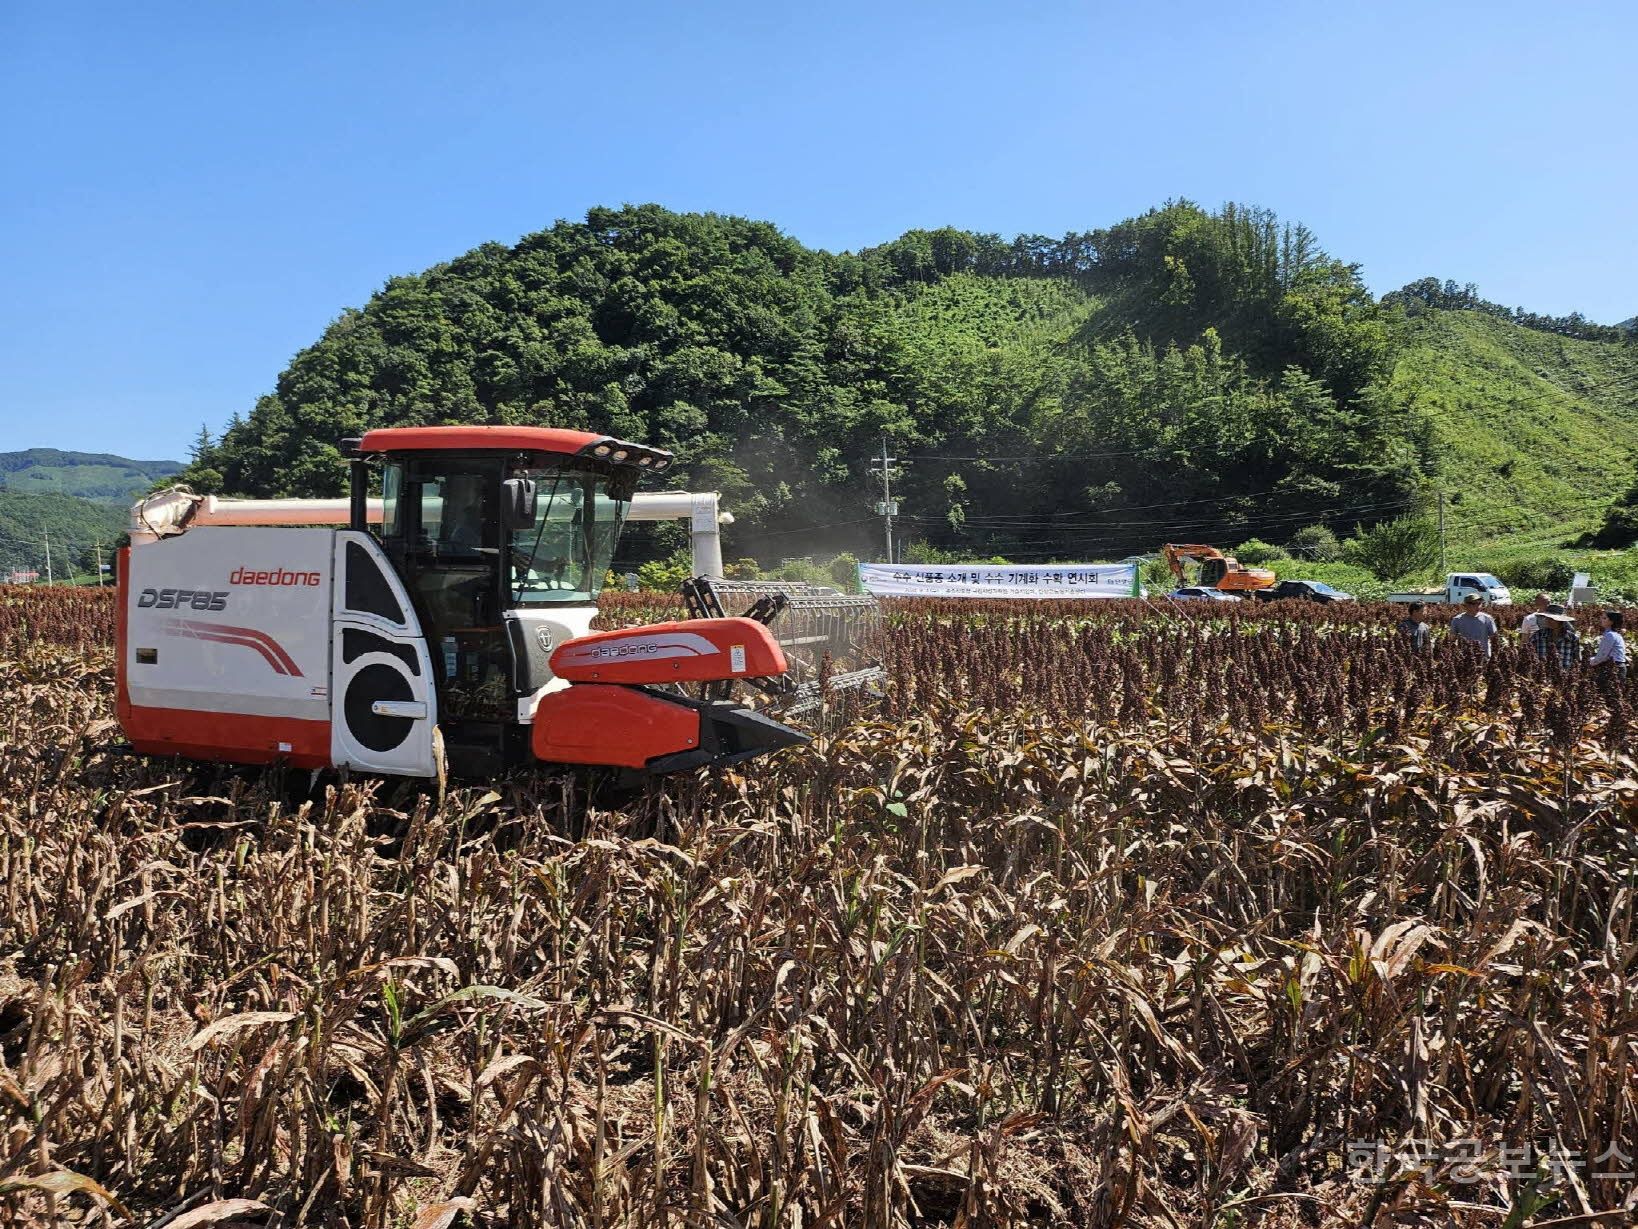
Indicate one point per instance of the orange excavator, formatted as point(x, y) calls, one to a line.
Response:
point(1217, 570)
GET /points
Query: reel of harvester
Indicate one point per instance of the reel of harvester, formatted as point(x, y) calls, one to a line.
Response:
point(831, 640)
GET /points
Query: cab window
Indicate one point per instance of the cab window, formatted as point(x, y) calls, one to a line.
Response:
point(563, 557)
point(442, 510)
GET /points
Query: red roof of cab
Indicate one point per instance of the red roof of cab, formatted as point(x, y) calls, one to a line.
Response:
point(465, 439)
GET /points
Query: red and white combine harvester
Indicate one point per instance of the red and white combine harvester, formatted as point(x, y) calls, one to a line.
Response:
point(447, 623)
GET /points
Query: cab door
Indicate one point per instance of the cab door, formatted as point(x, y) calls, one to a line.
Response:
point(383, 701)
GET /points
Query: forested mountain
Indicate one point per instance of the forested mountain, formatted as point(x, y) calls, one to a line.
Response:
point(76, 528)
point(1181, 375)
point(76, 500)
point(90, 475)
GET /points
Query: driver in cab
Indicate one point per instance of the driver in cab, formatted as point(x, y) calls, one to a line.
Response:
point(468, 517)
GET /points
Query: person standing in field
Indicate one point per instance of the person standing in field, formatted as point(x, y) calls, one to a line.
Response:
point(1554, 638)
point(1532, 621)
point(1612, 645)
point(1474, 625)
point(1412, 628)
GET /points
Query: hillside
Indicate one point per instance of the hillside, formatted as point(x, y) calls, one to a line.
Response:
point(74, 526)
point(1045, 395)
point(89, 475)
point(1534, 434)
point(1182, 375)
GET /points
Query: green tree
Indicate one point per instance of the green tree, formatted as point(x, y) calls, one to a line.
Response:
point(1054, 391)
point(1316, 542)
point(1620, 527)
point(1394, 548)
point(1256, 552)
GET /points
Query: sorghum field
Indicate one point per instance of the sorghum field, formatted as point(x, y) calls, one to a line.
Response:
point(1102, 916)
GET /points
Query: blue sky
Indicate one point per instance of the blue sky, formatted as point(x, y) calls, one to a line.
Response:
point(190, 193)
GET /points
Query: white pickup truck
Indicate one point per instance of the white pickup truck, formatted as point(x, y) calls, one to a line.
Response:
point(1458, 585)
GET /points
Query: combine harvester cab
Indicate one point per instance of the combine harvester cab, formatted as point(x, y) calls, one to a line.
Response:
point(456, 632)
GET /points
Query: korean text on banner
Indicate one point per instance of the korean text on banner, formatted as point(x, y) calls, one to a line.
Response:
point(1078, 580)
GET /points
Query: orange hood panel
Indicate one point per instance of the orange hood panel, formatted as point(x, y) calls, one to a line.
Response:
point(696, 651)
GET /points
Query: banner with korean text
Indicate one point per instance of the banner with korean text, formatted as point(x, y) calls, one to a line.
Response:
point(1001, 580)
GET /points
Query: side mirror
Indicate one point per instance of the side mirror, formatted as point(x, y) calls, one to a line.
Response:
point(518, 497)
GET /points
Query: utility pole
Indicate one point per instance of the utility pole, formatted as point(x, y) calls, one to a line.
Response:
point(98, 548)
point(48, 556)
point(886, 508)
point(1441, 531)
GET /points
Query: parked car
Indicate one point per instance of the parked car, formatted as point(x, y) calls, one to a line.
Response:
point(1202, 593)
point(1306, 590)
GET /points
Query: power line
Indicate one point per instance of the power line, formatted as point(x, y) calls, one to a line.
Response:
point(1228, 520)
point(769, 533)
point(1020, 522)
point(1075, 535)
point(1039, 458)
point(1072, 536)
point(1058, 545)
point(1175, 503)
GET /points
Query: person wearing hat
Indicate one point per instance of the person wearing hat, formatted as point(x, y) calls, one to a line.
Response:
point(1554, 638)
point(1473, 625)
point(1531, 623)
